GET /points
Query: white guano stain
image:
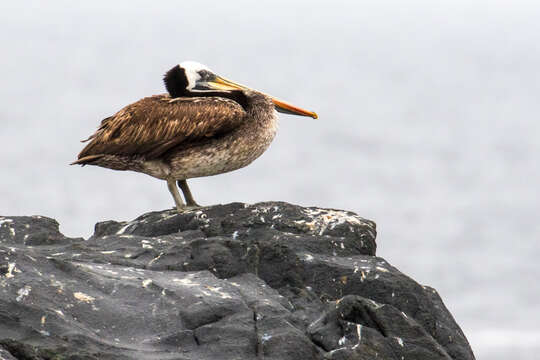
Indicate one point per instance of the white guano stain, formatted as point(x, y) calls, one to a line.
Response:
point(166, 216)
point(124, 228)
point(4, 220)
point(7, 222)
point(218, 291)
point(359, 334)
point(11, 270)
point(308, 257)
point(23, 292)
point(265, 338)
point(405, 315)
point(323, 219)
point(146, 244)
point(376, 304)
point(154, 259)
point(146, 282)
point(58, 284)
point(82, 297)
point(186, 282)
point(362, 276)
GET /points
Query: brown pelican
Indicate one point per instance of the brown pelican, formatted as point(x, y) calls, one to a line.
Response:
point(205, 125)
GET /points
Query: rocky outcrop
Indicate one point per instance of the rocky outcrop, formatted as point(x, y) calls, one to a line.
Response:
point(264, 281)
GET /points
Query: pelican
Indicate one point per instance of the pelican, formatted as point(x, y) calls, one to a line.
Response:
point(206, 125)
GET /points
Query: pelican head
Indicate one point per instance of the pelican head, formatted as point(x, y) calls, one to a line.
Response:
point(191, 78)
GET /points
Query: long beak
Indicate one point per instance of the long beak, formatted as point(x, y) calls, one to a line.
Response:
point(220, 83)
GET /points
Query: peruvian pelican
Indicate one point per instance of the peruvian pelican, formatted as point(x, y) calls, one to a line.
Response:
point(206, 125)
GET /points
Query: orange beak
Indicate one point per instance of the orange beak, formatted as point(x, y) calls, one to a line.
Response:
point(220, 83)
point(287, 108)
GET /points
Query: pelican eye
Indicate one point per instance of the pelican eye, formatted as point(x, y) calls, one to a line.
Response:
point(205, 75)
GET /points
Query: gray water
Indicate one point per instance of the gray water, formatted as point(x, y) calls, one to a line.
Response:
point(428, 125)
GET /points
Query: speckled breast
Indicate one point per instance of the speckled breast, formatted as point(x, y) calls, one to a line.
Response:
point(227, 153)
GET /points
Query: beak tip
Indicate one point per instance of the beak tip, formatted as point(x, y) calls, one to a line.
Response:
point(314, 115)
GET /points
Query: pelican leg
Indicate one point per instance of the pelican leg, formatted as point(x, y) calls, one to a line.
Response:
point(187, 193)
point(171, 184)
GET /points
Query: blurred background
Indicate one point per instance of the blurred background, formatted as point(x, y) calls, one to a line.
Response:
point(428, 125)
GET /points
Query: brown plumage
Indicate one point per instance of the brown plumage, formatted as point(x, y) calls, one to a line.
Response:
point(205, 126)
point(154, 125)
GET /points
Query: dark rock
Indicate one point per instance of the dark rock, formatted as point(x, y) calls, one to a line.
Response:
point(6, 355)
point(371, 329)
point(270, 280)
point(31, 230)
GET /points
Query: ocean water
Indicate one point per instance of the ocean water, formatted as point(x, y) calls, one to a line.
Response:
point(428, 124)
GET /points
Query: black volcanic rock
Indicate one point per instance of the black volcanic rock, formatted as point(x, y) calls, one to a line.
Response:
point(264, 281)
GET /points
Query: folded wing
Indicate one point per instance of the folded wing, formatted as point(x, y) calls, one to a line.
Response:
point(154, 125)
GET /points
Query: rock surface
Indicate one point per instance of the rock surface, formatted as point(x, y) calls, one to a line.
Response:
point(264, 281)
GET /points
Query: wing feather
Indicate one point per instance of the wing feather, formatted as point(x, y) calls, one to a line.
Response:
point(153, 125)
